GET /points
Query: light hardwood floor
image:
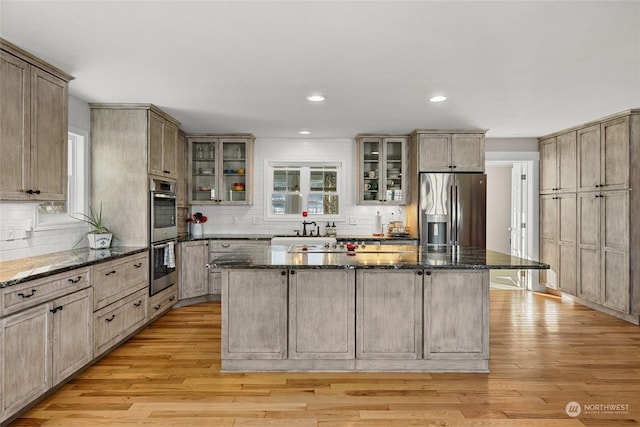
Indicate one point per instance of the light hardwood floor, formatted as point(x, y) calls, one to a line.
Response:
point(544, 354)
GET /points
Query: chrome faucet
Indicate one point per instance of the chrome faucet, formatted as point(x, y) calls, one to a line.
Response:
point(304, 227)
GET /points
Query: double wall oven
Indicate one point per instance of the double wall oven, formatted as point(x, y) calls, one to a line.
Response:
point(163, 234)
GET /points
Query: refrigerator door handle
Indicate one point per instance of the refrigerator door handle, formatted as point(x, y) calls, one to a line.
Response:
point(451, 220)
point(457, 210)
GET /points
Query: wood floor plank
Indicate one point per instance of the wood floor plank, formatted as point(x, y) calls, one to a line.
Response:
point(544, 352)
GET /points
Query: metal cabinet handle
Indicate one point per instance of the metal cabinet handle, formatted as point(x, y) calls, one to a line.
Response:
point(157, 307)
point(419, 273)
point(225, 245)
point(138, 265)
point(283, 273)
point(76, 280)
point(172, 298)
point(59, 308)
point(113, 316)
point(110, 273)
point(33, 292)
point(292, 272)
point(33, 191)
point(428, 273)
point(166, 171)
point(137, 304)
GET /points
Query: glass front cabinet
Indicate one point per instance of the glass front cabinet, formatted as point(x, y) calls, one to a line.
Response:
point(382, 171)
point(220, 169)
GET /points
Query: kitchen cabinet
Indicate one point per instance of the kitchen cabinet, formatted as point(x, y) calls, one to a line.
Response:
point(449, 151)
point(162, 301)
point(603, 255)
point(558, 240)
point(34, 124)
point(382, 169)
point(220, 169)
point(558, 163)
point(163, 147)
point(389, 314)
point(225, 247)
point(124, 153)
point(323, 303)
point(254, 314)
point(604, 220)
point(121, 289)
point(45, 339)
point(194, 272)
point(456, 314)
point(181, 167)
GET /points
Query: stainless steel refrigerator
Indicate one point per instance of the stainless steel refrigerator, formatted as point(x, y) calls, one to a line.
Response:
point(453, 209)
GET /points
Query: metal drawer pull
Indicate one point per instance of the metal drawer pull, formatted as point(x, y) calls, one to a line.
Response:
point(57, 309)
point(172, 298)
point(157, 307)
point(113, 316)
point(110, 273)
point(138, 265)
point(419, 273)
point(137, 304)
point(225, 245)
point(33, 292)
point(76, 280)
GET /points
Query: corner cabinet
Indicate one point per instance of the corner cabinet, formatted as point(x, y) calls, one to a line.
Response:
point(449, 150)
point(220, 169)
point(382, 171)
point(34, 123)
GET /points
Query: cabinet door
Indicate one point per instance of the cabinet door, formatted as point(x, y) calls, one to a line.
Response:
point(27, 355)
point(456, 314)
point(567, 242)
point(467, 152)
point(72, 344)
point(322, 301)
point(434, 153)
point(371, 170)
point(615, 250)
point(254, 314)
point(395, 178)
point(49, 129)
point(234, 169)
point(589, 246)
point(566, 151)
point(549, 239)
point(588, 148)
point(388, 314)
point(615, 154)
point(15, 150)
point(548, 165)
point(194, 275)
point(170, 150)
point(156, 136)
point(203, 170)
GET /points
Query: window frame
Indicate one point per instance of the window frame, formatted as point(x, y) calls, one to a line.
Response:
point(77, 185)
point(305, 189)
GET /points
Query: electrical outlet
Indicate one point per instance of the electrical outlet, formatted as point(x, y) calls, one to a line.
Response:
point(255, 221)
point(353, 220)
point(235, 220)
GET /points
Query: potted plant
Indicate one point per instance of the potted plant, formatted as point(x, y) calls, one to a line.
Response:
point(99, 236)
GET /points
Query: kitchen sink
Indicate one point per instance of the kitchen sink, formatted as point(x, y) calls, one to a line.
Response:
point(372, 249)
point(302, 241)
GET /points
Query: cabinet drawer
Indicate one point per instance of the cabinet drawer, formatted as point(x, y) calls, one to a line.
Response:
point(115, 279)
point(162, 301)
point(30, 294)
point(114, 322)
point(232, 245)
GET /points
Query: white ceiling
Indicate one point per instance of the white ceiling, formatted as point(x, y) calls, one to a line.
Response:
point(520, 69)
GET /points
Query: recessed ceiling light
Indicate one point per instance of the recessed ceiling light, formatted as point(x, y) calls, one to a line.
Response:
point(316, 98)
point(438, 98)
point(305, 132)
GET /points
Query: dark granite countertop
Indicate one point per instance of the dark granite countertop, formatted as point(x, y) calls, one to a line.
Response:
point(387, 257)
point(25, 269)
point(346, 237)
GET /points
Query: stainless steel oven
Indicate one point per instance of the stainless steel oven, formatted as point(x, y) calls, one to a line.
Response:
point(163, 211)
point(163, 266)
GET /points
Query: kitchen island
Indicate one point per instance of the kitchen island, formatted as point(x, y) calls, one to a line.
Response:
point(389, 308)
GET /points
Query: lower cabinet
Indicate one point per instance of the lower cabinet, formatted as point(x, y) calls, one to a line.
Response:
point(42, 346)
point(325, 304)
point(162, 301)
point(389, 314)
point(194, 274)
point(254, 314)
point(114, 322)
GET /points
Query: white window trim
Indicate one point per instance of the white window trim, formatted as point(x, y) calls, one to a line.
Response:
point(269, 165)
point(79, 182)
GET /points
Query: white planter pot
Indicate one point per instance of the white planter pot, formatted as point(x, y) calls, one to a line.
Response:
point(99, 240)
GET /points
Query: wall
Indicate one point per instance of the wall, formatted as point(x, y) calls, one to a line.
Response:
point(42, 240)
point(498, 208)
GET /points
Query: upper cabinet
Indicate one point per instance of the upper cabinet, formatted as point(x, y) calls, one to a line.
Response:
point(163, 144)
point(181, 166)
point(220, 169)
point(558, 165)
point(382, 162)
point(449, 151)
point(33, 127)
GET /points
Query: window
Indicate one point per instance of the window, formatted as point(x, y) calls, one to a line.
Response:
point(54, 214)
point(297, 187)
